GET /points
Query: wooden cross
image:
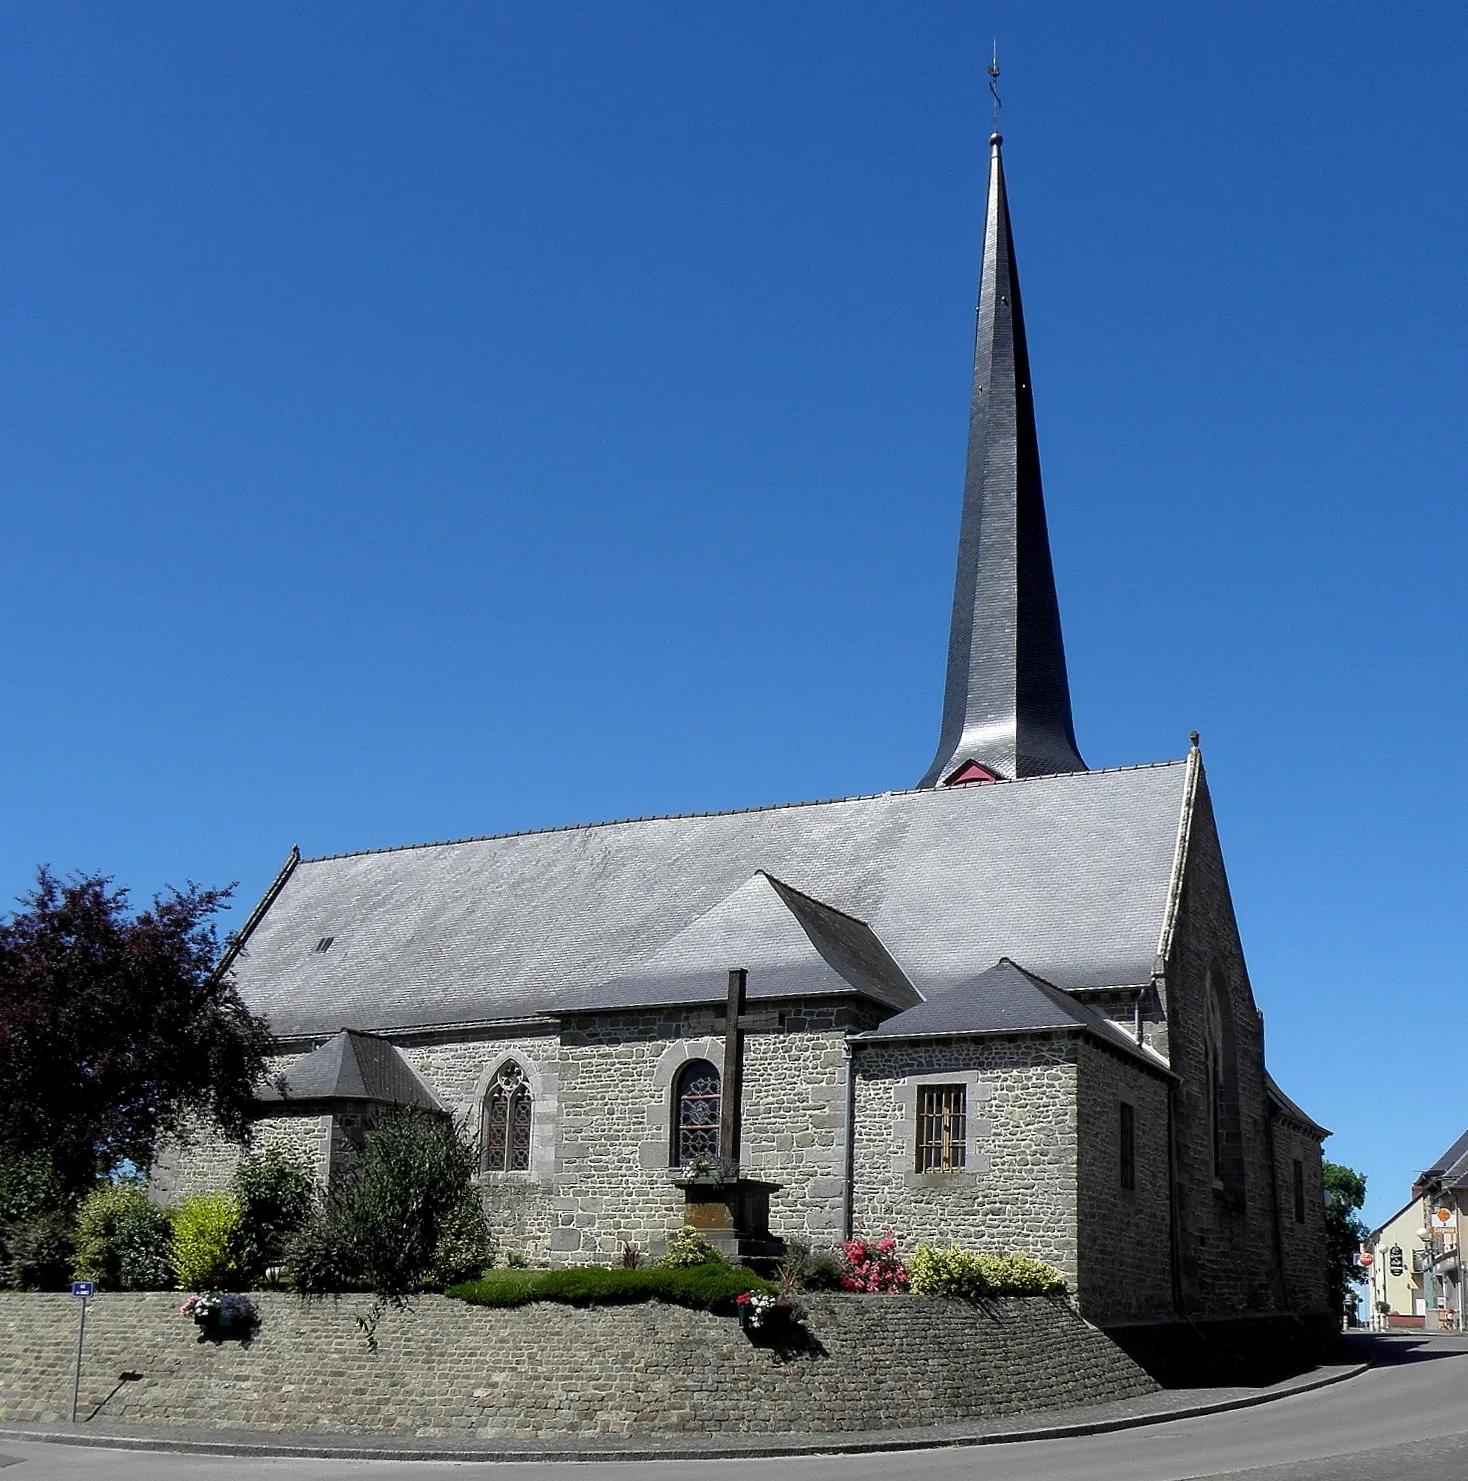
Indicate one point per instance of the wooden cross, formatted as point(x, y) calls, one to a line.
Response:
point(736, 1024)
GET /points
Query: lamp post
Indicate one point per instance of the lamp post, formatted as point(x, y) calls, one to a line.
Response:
point(1429, 1293)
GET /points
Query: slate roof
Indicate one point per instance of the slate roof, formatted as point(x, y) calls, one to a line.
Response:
point(1069, 874)
point(1007, 999)
point(352, 1066)
point(1451, 1167)
point(791, 945)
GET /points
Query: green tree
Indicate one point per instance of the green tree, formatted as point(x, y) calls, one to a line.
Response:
point(117, 1027)
point(1345, 1192)
point(406, 1218)
point(276, 1194)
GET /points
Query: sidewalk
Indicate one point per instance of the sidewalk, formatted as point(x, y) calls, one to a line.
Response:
point(1053, 1424)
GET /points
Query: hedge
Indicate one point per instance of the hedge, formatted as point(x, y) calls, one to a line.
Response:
point(703, 1287)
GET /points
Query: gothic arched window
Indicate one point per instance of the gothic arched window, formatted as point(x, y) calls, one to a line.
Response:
point(506, 1138)
point(696, 1112)
point(1221, 1085)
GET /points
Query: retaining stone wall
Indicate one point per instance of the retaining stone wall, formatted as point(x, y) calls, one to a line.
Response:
point(444, 1368)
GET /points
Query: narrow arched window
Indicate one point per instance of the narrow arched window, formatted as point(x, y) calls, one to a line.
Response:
point(506, 1137)
point(696, 1113)
point(1221, 1085)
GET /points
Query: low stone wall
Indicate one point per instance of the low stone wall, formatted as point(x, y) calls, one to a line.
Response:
point(444, 1368)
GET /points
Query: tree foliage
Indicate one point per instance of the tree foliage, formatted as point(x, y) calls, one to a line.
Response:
point(115, 1028)
point(406, 1218)
point(276, 1194)
point(122, 1240)
point(1345, 1192)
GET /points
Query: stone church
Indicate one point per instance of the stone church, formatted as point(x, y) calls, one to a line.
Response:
point(1007, 1008)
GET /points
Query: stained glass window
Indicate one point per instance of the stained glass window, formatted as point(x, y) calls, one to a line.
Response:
point(696, 1124)
point(507, 1122)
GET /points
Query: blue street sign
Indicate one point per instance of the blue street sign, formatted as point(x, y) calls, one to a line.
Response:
point(82, 1288)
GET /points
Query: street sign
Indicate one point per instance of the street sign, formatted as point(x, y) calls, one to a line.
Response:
point(1396, 1260)
point(82, 1288)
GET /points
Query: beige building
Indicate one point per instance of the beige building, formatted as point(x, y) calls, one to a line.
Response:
point(1416, 1269)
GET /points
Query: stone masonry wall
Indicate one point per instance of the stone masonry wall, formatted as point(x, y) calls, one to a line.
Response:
point(459, 1068)
point(1229, 1261)
point(617, 1076)
point(1303, 1244)
point(443, 1368)
point(1125, 1243)
point(1018, 1193)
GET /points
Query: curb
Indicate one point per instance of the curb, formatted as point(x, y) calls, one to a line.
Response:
point(832, 1444)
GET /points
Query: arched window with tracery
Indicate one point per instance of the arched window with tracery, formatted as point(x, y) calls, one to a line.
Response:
point(506, 1139)
point(696, 1107)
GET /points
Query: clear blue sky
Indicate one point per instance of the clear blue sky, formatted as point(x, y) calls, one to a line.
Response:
point(422, 421)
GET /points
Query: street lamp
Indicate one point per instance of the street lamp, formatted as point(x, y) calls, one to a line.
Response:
point(1429, 1292)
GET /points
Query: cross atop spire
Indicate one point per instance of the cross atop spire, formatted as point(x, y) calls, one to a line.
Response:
point(1006, 705)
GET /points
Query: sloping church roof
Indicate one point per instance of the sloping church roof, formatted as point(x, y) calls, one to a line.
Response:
point(1008, 999)
point(791, 946)
point(352, 1066)
point(1069, 874)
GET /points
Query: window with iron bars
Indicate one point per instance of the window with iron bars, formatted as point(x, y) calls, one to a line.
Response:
point(942, 1128)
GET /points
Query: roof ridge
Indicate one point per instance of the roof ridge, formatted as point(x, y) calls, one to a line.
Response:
point(783, 887)
point(729, 812)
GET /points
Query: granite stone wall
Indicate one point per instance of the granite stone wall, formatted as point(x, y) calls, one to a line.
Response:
point(443, 1368)
point(1229, 1263)
point(1125, 1243)
point(1302, 1243)
point(1017, 1193)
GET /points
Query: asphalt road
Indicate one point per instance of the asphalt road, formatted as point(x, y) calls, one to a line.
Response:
point(1406, 1417)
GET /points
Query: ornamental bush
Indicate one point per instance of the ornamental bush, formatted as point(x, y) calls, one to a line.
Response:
point(203, 1251)
point(122, 1240)
point(872, 1265)
point(688, 1247)
point(406, 1218)
point(35, 1224)
point(707, 1286)
point(971, 1275)
point(276, 1193)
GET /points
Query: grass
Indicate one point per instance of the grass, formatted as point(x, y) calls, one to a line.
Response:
point(703, 1287)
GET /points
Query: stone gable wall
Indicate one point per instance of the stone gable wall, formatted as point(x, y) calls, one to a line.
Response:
point(1125, 1244)
point(546, 1371)
point(1020, 1196)
point(1229, 1251)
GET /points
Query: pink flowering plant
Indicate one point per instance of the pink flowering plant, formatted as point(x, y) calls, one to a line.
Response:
point(872, 1265)
point(216, 1308)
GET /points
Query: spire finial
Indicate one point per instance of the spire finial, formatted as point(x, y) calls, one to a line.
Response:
point(993, 71)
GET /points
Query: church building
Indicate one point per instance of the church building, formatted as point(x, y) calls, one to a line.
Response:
point(1006, 1009)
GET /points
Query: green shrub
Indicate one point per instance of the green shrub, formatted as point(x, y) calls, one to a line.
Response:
point(122, 1240)
point(203, 1251)
point(35, 1225)
point(37, 1251)
point(406, 1218)
point(705, 1287)
point(687, 1248)
point(276, 1193)
point(972, 1275)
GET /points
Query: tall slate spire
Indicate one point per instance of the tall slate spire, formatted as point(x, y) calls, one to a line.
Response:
point(1006, 707)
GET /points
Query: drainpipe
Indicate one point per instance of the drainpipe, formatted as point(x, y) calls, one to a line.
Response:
point(849, 1134)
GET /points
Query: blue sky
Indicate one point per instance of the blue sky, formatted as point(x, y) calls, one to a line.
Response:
point(432, 421)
